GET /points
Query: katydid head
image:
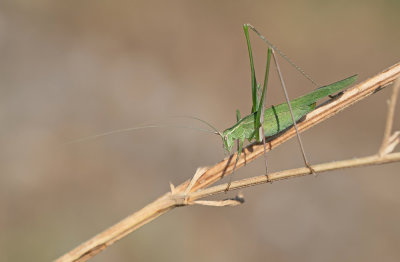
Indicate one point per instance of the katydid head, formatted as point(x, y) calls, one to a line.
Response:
point(227, 140)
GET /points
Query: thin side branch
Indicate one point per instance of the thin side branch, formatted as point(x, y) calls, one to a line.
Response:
point(178, 197)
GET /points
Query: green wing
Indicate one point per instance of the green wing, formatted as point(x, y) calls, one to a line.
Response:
point(278, 118)
point(324, 91)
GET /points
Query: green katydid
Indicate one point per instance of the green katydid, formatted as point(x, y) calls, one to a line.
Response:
point(264, 122)
point(277, 118)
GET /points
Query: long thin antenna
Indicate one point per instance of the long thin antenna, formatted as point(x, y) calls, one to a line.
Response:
point(203, 121)
point(124, 130)
point(283, 55)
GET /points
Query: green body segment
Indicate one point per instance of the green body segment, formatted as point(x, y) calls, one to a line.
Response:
point(278, 118)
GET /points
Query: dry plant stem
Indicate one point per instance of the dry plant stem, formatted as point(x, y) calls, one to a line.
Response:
point(225, 167)
point(390, 117)
point(291, 173)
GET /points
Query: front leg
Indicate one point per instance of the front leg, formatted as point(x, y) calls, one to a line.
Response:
point(240, 143)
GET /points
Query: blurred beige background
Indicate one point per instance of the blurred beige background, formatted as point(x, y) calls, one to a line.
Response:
point(69, 69)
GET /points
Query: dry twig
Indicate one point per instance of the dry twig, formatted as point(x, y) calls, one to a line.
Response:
point(180, 197)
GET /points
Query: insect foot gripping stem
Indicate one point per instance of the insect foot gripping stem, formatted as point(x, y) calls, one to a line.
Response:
point(312, 171)
point(228, 186)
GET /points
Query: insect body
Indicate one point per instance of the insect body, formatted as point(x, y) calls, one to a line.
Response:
point(264, 122)
point(278, 118)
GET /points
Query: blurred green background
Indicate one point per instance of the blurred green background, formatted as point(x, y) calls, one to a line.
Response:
point(69, 69)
